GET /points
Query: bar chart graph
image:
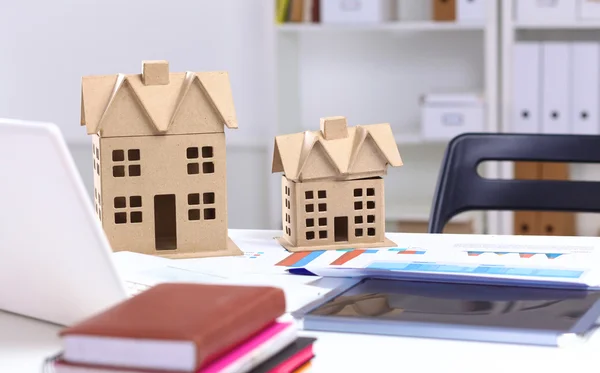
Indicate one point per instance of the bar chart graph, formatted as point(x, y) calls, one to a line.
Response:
point(524, 255)
point(343, 256)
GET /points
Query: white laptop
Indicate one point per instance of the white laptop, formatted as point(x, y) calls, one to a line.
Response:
point(55, 261)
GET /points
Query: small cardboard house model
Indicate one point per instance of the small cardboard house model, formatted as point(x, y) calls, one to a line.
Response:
point(332, 185)
point(158, 145)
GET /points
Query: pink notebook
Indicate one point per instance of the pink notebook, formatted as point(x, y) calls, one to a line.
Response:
point(242, 358)
point(256, 350)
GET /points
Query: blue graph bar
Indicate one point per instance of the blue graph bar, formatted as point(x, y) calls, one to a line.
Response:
point(482, 269)
point(309, 258)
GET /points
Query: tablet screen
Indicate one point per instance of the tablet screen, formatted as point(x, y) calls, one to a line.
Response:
point(462, 304)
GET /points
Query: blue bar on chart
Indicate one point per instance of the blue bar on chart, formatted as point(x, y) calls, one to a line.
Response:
point(483, 269)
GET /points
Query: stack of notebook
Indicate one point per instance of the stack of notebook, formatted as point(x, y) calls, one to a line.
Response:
point(188, 328)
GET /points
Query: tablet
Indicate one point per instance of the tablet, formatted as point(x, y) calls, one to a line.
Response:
point(540, 316)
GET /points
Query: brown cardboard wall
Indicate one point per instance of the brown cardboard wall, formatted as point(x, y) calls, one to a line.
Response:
point(97, 176)
point(160, 159)
point(331, 214)
point(423, 227)
point(527, 222)
point(556, 223)
point(444, 10)
point(332, 186)
point(165, 195)
point(290, 221)
point(543, 223)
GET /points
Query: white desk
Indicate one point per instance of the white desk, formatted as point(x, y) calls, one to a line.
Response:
point(25, 343)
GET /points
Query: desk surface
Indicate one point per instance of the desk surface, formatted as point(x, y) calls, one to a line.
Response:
point(25, 343)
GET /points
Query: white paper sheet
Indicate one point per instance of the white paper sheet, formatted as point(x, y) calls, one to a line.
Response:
point(528, 262)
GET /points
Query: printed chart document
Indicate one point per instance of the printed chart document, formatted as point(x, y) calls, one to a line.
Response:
point(546, 261)
point(550, 260)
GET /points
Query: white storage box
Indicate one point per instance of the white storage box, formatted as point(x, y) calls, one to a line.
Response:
point(444, 116)
point(471, 10)
point(545, 11)
point(588, 9)
point(357, 11)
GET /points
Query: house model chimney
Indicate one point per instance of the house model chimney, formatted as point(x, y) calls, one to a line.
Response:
point(155, 72)
point(334, 128)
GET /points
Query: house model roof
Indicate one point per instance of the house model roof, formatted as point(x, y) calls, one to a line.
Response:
point(169, 103)
point(337, 152)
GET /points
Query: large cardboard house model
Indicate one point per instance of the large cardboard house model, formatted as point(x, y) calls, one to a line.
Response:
point(332, 185)
point(159, 159)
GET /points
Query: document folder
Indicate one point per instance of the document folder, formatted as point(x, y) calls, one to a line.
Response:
point(585, 94)
point(526, 88)
point(555, 87)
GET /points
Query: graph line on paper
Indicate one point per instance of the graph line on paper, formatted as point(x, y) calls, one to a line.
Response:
point(300, 259)
point(524, 255)
point(408, 251)
point(351, 254)
point(254, 254)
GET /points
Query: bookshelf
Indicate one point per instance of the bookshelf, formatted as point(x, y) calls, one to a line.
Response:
point(571, 25)
point(373, 73)
point(513, 31)
point(399, 26)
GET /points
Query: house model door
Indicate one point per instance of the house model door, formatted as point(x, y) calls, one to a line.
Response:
point(340, 229)
point(165, 222)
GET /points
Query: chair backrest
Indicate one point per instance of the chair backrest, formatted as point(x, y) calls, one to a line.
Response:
point(460, 188)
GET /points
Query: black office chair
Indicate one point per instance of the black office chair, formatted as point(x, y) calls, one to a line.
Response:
point(460, 188)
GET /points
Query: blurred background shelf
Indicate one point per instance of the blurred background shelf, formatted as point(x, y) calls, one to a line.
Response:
point(570, 25)
point(562, 22)
point(402, 26)
point(284, 77)
point(378, 73)
point(415, 219)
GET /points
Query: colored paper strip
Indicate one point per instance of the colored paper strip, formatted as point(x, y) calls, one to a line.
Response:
point(346, 257)
point(307, 259)
point(474, 253)
point(417, 252)
point(553, 256)
point(293, 259)
point(526, 255)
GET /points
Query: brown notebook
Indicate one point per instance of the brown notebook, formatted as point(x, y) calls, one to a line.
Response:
point(178, 327)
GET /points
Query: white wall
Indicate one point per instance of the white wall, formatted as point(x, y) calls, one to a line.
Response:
point(376, 77)
point(47, 46)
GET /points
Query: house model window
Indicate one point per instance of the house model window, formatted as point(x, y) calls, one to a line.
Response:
point(130, 166)
point(208, 202)
point(208, 164)
point(332, 185)
point(158, 143)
